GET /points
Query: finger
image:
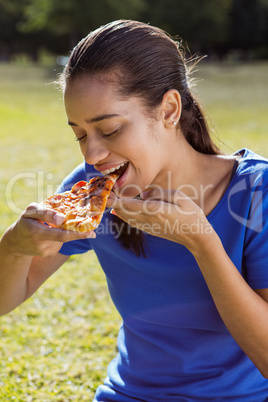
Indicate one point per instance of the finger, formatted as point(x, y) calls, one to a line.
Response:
point(112, 196)
point(35, 216)
point(172, 196)
point(169, 200)
point(42, 213)
point(111, 202)
point(140, 210)
point(60, 235)
point(126, 206)
point(45, 244)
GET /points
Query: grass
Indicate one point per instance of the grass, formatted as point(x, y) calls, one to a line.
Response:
point(56, 346)
point(236, 98)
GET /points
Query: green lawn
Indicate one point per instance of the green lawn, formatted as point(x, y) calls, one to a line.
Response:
point(236, 99)
point(56, 346)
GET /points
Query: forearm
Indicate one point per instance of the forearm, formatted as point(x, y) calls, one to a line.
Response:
point(13, 276)
point(244, 313)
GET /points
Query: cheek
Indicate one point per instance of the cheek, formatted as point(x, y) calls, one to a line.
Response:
point(136, 144)
point(83, 146)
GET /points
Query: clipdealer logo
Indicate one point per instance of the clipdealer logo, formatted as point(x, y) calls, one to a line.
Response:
point(176, 227)
point(42, 182)
point(43, 185)
point(251, 186)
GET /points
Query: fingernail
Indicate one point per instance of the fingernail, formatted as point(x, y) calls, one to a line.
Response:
point(144, 194)
point(113, 212)
point(58, 218)
point(91, 235)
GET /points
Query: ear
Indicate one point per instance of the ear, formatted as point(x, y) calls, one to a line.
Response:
point(171, 108)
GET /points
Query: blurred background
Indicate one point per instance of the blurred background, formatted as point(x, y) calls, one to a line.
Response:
point(57, 345)
point(219, 28)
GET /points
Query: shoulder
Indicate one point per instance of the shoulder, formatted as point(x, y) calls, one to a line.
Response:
point(254, 167)
point(251, 161)
point(80, 172)
point(248, 190)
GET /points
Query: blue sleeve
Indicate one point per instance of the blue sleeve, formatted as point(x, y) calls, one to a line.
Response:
point(81, 172)
point(256, 240)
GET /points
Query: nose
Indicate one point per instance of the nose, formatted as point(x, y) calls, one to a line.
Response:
point(95, 151)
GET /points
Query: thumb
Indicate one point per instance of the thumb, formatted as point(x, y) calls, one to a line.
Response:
point(42, 213)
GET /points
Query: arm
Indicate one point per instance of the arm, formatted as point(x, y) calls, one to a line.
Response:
point(243, 310)
point(29, 254)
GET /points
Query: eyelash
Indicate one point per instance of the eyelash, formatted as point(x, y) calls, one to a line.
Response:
point(114, 132)
point(80, 138)
point(104, 135)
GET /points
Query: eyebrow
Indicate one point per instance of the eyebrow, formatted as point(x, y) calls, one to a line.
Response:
point(96, 119)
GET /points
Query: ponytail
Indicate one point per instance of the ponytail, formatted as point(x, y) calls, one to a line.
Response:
point(194, 126)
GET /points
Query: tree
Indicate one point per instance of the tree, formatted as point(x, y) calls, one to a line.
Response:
point(208, 26)
point(249, 21)
point(245, 29)
point(73, 19)
point(203, 25)
point(10, 14)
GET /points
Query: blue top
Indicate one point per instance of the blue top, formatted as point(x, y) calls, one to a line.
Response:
point(173, 344)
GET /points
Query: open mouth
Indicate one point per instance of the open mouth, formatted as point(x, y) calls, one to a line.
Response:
point(120, 170)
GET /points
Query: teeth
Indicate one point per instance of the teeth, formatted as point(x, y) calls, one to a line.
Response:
point(113, 169)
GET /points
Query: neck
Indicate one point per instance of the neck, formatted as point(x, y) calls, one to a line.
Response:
point(203, 178)
point(181, 170)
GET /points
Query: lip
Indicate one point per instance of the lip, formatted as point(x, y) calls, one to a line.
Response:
point(122, 179)
point(102, 168)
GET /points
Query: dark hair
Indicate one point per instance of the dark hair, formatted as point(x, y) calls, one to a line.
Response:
point(147, 63)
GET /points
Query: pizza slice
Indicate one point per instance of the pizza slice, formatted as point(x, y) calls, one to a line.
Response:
point(84, 205)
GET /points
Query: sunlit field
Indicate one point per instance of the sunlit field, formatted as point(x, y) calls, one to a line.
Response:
point(56, 346)
point(236, 99)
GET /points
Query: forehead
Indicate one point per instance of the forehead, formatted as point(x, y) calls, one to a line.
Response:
point(89, 96)
point(86, 86)
point(90, 93)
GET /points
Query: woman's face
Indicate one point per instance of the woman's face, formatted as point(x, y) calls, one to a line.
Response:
point(115, 132)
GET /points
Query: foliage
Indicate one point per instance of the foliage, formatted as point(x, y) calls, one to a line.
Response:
point(204, 28)
point(56, 346)
point(216, 27)
point(73, 19)
point(69, 16)
point(249, 23)
point(10, 14)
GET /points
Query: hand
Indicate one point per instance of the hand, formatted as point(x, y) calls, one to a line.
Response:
point(30, 236)
point(163, 213)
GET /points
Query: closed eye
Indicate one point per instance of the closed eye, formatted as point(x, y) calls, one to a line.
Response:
point(113, 132)
point(117, 131)
point(80, 138)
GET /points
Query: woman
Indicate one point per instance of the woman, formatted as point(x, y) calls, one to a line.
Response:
point(184, 249)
